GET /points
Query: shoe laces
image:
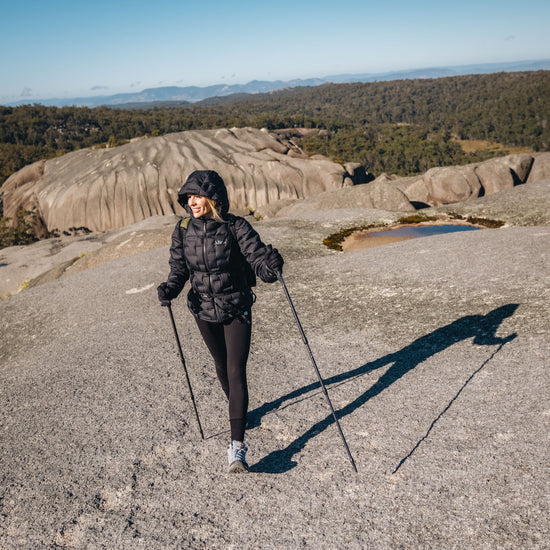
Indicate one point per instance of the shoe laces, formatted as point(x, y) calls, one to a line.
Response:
point(239, 449)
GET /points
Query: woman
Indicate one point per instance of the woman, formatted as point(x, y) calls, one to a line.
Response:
point(210, 249)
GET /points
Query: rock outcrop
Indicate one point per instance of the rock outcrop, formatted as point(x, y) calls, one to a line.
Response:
point(450, 184)
point(435, 354)
point(378, 195)
point(540, 169)
point(521, 205)
point(108, 188)
point(103, 189)
point(438, 186)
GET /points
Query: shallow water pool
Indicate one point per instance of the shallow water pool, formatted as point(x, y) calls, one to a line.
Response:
point(369, 239)
point(412, 231)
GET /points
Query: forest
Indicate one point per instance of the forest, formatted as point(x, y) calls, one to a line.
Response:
point(402, 127)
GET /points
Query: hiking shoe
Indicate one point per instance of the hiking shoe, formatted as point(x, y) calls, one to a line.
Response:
point(236, 456)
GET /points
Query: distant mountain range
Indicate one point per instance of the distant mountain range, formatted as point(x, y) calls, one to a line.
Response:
point(192, 94)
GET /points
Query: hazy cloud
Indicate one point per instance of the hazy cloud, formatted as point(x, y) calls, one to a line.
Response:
point(97, 88)
point(509, 38)
point(27, 92)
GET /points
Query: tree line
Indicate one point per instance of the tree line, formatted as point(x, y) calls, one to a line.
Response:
point(402, 126)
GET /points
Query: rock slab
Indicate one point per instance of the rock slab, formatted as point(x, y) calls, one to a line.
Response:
point(434, 352)
point(102, 189)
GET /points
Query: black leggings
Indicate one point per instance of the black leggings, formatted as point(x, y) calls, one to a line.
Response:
point(229, 345)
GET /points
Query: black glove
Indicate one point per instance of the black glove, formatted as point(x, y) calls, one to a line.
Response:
point(166, 293)
point(273, 260)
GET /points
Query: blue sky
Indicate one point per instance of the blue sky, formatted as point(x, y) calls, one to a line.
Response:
point(62, 48)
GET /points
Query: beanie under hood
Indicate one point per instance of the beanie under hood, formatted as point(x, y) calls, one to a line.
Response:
point(205, 183)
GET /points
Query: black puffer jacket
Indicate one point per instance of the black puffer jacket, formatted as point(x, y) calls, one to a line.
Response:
point(204, 253)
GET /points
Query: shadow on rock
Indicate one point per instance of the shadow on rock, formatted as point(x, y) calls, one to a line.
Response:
point(482, 328)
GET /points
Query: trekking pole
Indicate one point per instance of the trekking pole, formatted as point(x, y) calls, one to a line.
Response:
point(282, 281)
point(185, 368)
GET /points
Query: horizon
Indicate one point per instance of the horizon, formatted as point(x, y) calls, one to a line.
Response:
point(67, 50)
point(473, 69)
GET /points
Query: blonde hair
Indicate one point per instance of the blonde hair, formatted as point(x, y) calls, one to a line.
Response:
point(215, 209)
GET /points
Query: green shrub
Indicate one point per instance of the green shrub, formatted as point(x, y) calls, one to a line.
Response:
point(485, 222)
point(20, 231)
point(417, 218)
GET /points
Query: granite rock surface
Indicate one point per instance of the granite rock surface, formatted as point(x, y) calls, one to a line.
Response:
point(434, 352)
point(102, 189)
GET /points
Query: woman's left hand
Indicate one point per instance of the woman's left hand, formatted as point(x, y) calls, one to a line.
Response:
point(274, 261)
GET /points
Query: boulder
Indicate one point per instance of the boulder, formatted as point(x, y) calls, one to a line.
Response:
point(415, 190)
point(108, 188)
point(520, 165)
point(451, 184)
point(504, 172)
point(386, 178)
point(540, 169)
point(385, 197)
point(20, 184)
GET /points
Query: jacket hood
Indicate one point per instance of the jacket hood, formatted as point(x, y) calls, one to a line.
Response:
point(205, 183)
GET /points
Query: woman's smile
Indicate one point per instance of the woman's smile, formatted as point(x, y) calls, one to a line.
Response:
point(199, 205)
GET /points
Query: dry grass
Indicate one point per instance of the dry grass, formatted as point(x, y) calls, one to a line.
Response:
point(479, 145)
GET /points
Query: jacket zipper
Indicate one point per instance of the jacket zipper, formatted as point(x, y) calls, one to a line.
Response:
point(204, 256)
point(204, 248)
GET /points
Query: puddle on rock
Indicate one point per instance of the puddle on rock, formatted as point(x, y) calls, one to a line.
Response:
point(369, 239)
